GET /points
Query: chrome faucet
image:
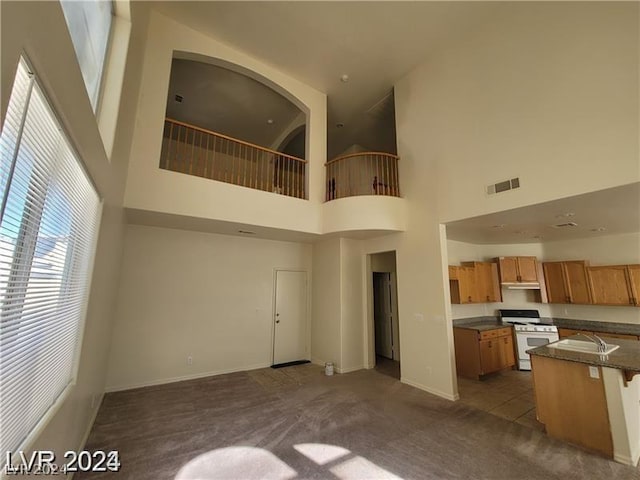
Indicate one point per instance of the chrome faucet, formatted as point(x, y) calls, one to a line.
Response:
point(602, 345)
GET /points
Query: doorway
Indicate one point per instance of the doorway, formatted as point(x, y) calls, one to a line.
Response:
point(290, 318)
point(385, 314)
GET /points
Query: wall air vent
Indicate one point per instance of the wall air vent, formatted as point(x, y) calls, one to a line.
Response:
point(563, 225)
point(503, 186)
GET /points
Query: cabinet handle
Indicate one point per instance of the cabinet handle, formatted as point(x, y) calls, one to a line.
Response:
point(488, 299)
point(568, 299)
point(470, 301)
point(519, 278)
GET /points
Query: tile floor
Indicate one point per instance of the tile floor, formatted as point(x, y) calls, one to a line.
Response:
point(507, 394)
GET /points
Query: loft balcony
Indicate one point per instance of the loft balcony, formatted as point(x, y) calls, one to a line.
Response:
point(363, 173)
point(192, 150)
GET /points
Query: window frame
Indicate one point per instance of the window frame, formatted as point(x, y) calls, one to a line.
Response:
point(30, 233)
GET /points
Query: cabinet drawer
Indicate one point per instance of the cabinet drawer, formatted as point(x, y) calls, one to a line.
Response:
point(487, 334)
point(506, 331)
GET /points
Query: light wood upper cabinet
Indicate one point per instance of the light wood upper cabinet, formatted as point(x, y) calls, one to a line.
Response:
point(518, 269)
point(474, 282)
point(634, 282)
point(462, 285)
point(566, 282)
point(610, 285)
point(487, 284)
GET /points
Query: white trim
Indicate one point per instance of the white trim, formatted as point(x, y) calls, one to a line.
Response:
point(626, 459)
point(350, 369)
point(433, 391)
point(163, 381)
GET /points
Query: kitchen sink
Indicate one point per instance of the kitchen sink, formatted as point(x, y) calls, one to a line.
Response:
point(582, 346)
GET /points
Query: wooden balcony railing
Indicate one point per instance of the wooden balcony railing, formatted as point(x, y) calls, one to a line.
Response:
point(365, 173)
point(203, 153)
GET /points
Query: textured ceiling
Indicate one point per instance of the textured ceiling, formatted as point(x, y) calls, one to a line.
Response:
point(228, 102)
point(615, 210)
point(375, 43)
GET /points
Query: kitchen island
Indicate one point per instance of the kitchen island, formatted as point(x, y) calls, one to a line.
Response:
point(590, 399)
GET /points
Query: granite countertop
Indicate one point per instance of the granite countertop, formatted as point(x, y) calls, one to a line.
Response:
point(589, 325)
point(627, 357)
point(479, 324)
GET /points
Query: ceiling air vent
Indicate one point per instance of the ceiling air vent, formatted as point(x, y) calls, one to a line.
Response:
point(503, 186)
point(563, 225)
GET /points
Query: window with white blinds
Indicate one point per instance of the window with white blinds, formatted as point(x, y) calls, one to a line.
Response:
point(48, 224)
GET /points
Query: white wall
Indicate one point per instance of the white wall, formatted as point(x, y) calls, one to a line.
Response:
point(195, 294)
point(547, 91)
point(352, 319)
point(39, 30)
point(150, 188)
point(326, 308)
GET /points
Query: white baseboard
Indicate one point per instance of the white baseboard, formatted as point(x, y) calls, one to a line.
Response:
point(349, 369)
point(85, 437)
point(433, 391)
point(162, 381)
point(627, 460)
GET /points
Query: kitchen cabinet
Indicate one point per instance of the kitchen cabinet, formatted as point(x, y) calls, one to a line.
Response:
point(474, 282)
point(567, 332)
point(634, 282)
point(613, 284)
point(487, 284)
point(518, 269)
point(462, 285)
point(566, 282)
point(481, 352)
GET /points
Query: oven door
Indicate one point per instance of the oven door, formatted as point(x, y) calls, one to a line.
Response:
point(529, 340)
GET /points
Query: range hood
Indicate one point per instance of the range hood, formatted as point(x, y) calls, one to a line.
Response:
point(521, 285)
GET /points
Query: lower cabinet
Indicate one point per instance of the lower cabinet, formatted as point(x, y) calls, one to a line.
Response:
point(482, 352)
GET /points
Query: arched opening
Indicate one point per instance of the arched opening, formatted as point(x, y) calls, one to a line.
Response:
point(225, 125)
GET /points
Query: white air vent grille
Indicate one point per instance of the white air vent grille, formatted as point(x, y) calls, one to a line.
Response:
point(503, 186)
point(563, 225)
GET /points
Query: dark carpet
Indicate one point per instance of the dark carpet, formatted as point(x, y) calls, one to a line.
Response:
point(296, 423)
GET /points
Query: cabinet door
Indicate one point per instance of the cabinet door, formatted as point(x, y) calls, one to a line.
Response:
point(466, 280)
point(487, 286)
point(527, 269)
point(507, 355)
point(567, 332)
point(490, 356)
point(634, 281)
point(576, 282)
point(609, 285)
point(555, 282)
point(508, 269)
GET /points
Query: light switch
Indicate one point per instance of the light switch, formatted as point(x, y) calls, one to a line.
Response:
point(594, 372)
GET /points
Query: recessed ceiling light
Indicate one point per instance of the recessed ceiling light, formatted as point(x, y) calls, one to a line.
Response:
point(565, 215)
point(270, 121)
point(500, 225)
point(599, 229)
point(537, 236)
point(339, 125)
point(344, 78)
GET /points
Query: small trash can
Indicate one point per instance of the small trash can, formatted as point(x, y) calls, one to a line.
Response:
point(328, 369)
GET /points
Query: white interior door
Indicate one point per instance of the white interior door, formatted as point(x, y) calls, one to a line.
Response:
point(290, 327)
point(383, 314)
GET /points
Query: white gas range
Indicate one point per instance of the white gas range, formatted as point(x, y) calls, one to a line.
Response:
point(530, 332)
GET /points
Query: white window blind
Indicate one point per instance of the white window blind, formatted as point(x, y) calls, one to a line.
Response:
point(89, 23)
point(48, 224)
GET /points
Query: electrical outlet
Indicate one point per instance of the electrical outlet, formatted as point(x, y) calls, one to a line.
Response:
point(189, 360)
point(593, 372)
